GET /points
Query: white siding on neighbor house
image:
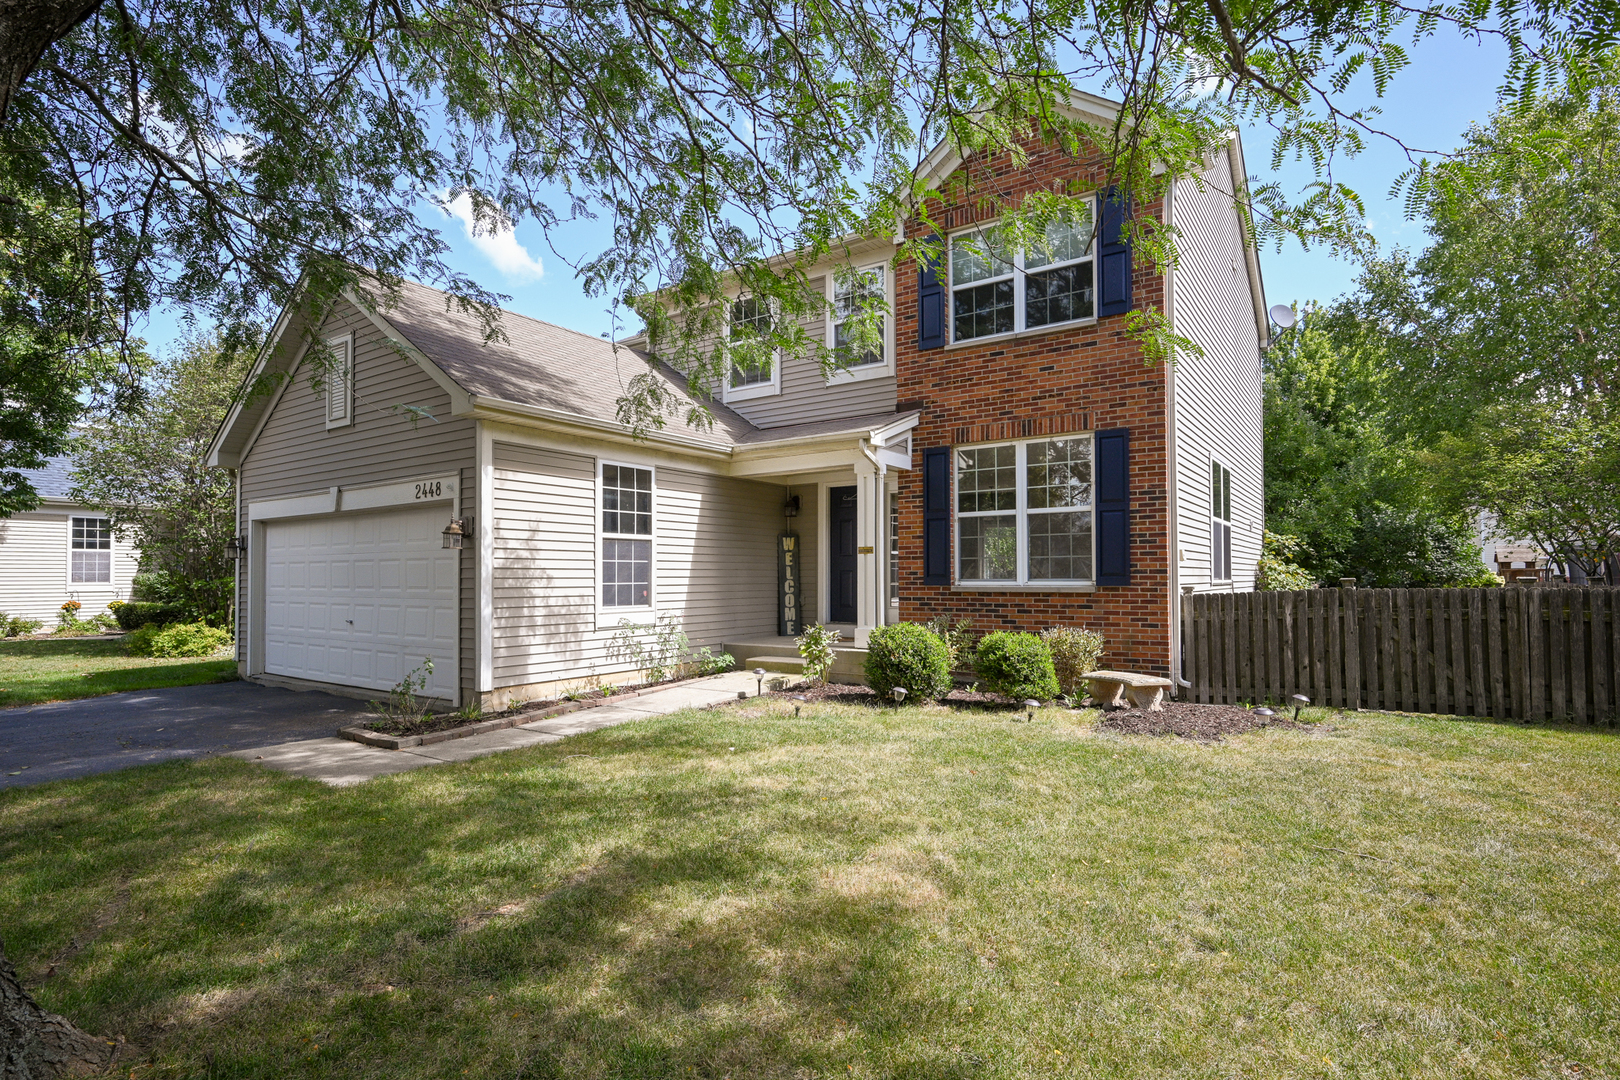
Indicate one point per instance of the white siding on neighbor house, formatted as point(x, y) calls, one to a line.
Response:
point(34, 564)
point(807, 397)
point(714, 557)
point(1218, 395)
point(297, 454)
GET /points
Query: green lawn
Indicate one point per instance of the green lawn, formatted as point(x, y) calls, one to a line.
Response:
point(907, 894)
point(33, 670)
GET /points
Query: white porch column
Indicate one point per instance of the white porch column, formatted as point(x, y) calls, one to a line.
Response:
point(871, 557)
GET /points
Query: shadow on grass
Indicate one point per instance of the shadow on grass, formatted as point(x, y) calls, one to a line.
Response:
point(61, 648)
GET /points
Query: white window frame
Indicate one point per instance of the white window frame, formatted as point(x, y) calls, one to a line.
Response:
point(339, 383)
point(606, 612)
point(1021, 517)
point(892, 510)
point(111, 549)
point(1019, 276)
point(1218, 505)
point(865, 371)
point(729, 393)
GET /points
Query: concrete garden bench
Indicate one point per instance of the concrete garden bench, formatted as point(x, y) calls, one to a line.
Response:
point(1143, 691)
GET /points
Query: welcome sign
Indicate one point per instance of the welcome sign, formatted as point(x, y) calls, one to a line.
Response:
point(787, 582)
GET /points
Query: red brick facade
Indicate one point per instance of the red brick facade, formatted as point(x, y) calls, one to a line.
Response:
point(1083, 378)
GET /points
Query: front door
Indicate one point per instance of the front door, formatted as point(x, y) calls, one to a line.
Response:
point(841, 542)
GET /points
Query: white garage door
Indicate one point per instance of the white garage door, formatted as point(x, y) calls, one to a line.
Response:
point(360, 599)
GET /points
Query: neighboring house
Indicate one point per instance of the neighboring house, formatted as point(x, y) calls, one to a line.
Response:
point(60, 552)
point(576, 527)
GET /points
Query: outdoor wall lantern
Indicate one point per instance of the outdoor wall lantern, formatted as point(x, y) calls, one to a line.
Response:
point(236, 547)
point(457, 532)
point(791, 507)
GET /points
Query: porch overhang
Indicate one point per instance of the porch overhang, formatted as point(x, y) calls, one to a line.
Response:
point(881, 442)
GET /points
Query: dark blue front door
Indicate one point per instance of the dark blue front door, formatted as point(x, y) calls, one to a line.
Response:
point(843, 563)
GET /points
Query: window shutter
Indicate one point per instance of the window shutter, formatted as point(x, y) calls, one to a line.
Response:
point(937, 516)
point(931, 301)
point(1113, 254)
point(338, 383)
point(1113, 507)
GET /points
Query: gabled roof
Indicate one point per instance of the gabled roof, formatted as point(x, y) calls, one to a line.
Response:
point(55, 480)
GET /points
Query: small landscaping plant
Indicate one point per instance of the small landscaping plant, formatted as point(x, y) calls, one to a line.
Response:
point(1016, 665)
point(707, 662)
point(958, 639)
point(178, 639)
point(1075, 651)
point(402, 707)
point(658, 648)
point(911, 656)
point(17, 626)
point(816, 649)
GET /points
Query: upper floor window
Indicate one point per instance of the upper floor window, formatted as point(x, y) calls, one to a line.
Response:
point(90, 554)
point(1023, 511)
point(997, 288)
point(627, 530)
point(860, 292)
point(1220, 522)
point(754, 363)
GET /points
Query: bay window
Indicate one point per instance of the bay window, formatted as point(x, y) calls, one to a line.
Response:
point(999, 288)
point(627, 530)
point(1023, 512)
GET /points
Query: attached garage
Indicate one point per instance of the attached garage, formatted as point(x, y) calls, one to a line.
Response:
point(359, 599)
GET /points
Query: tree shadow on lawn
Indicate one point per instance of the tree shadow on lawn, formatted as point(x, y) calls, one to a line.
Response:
point(61, 648)
point(542, 919)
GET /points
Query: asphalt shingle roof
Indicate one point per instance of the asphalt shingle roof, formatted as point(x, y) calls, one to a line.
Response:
point(54, 480)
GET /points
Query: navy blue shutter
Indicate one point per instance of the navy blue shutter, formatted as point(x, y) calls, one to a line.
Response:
point(1113, 254)
point(1113, 507)
point(937, 516)
point(931, 301)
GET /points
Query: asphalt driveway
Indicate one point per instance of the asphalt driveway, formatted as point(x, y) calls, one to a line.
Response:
point(94, 735)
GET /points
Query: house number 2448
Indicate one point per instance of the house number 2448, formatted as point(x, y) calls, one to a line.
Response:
point(432, 489)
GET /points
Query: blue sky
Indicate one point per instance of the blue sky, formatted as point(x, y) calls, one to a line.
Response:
point(1449, 84)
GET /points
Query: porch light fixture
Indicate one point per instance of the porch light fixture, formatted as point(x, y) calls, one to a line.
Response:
point(236, 547)
point(457, 532)
point(791, 507)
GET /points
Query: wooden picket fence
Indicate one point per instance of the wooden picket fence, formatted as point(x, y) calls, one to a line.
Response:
point(1521, 652)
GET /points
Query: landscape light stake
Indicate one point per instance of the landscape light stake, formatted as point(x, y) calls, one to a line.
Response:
point(1031, 705)
point(1299, 700)
point(798, 703)
point(759, 681)
point(1263, 711)
point(898, 693)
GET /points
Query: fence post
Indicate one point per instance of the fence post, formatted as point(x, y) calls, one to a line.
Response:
point(1352, 643)
point(1601, 703)
point(1536, 634)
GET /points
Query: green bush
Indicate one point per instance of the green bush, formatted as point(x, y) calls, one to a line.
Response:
point(139, 613)
point(17, 626)
point(1075, 651)
point(1016, 665)
point(189, 599)
point(180, 639)
point(816, 649)
point(911, 656)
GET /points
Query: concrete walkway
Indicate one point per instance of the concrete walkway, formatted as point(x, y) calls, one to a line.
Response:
point(340, 762)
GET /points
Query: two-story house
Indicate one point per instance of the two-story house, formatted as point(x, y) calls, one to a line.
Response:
point(479, 503)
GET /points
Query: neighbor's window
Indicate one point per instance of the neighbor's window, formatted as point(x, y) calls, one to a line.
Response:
point(997, 289)
point(91, 551)
point(894, 547)
point(862, 292)
point(1023, 511)
point(750, 322)
point(627, 529)
point(1220, 522)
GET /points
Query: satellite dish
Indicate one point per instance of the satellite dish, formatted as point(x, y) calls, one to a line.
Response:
point(1282, 315)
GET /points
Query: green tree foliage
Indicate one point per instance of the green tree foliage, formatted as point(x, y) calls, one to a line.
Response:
point(231, 158)
point(146, 469)
point(1278, 571)
point(1505, 332)
point(1341, 477)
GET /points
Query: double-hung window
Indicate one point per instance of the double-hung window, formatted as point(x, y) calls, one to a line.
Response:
point(1023, 512)
point(999, 288)
point(1220, 522)
point(627, 531)
point(859, 292)
point(753, 360)
point(90, 551)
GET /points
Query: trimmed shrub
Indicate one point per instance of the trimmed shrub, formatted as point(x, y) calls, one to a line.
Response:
point(911, 656)
point(1015, 665)
point(139, 613)
point(1075, 651)
point(181, 639)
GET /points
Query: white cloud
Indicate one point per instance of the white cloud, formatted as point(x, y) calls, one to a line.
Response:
point(500, 246)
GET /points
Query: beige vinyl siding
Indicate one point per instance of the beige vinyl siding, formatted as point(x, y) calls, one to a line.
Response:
point(805, 395)
point(295, 453)
point(714, 562)
point(34, 568)
point(1218, 395)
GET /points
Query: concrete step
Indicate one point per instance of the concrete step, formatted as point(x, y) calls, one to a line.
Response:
point(792, 665)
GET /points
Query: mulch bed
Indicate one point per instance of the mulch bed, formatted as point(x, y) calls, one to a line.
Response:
point(1201, 723)
point(1184, 719)
point(427, 725)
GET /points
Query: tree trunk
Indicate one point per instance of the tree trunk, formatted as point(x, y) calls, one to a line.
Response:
point(37, 1045)
point(27, 29)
